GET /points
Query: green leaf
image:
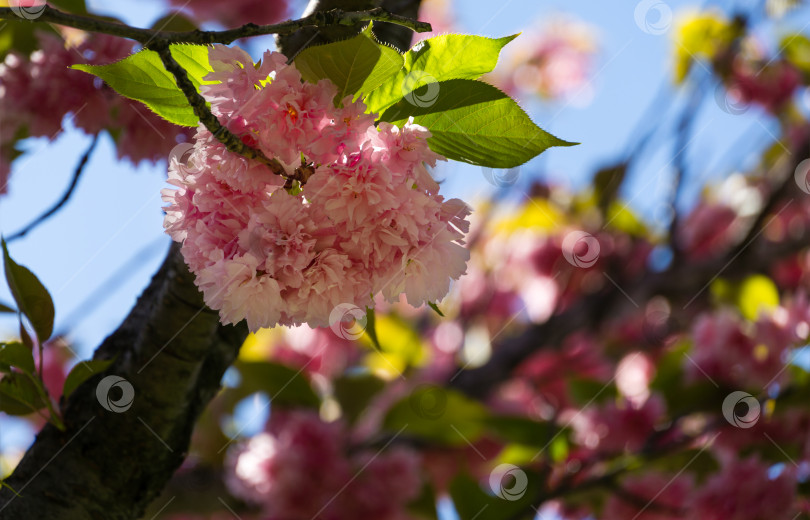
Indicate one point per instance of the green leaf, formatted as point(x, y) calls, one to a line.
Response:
point(4, 484)
point(17, 35)
point(17, 355)
point(6, 308)
point(437, 414)
point(512, 496)
point(436, 309)
point(521, 430)
point(355, 392)
point(31, 296)
point(284, 385)
point(371, 328)
point(19, 395)
point(450, 56)
point(142, 77)
point(357, 65)
point(424, 506)
point(586, 391)
point(25, 337)
point(474, 122)
point(82, 372)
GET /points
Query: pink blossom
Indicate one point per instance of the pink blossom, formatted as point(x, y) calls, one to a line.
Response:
point(728, 353)
point(770, 86)
point(315, 351)
point(38, 91)
point(707, 230)
point(439, 14)
point(301, 469)
point(236, 12)
point(368, 221)
point(554, 60)
point(616, 428)
point(743, 490)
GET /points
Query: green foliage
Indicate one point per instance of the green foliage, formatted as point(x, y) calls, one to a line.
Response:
point(700, 462)
point(400, 345)
point(82, 372)
point(20, 394)
point(371, 328)
point(20, 35)
point(474, 122)
point(32, 298)
point(4, 308)
point(590, 391)
point(438, 414)
point(472, 502)
point(450, 56)
point(436, 309)
point(17, 355)
point(354, 392)
point(357, 65)
point(281, 383)
point(521, 430)
point(425, 504)
point(143, 78)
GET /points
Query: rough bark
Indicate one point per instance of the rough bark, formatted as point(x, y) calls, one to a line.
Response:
point(173, 351)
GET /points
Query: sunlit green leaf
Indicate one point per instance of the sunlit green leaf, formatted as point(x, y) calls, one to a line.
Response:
point(142, 77)
point(474, 122)
point(357, 65)
point(449, 56)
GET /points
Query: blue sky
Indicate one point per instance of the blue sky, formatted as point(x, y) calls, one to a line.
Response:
point(115, 220)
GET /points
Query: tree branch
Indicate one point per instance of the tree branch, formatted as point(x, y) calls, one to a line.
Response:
point(173, 352)
point(197, 102)
point(171, 349)
point(56, 207)
point(333, 17)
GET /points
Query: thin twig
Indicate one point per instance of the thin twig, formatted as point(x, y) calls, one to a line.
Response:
point(159, 42)
point(145, 36)
point(683, 138)
point(197, 102)
point(56, 207)
point(225, 136)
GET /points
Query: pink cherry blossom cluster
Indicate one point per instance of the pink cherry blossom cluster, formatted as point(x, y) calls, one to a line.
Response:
point(369, 220)
point(743, 354)
point(771, 86)
point(300, 469)
point(235, 12)
point(743, 489)
point(38, 91)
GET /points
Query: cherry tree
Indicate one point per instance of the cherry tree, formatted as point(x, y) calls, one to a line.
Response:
point(552, 357)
